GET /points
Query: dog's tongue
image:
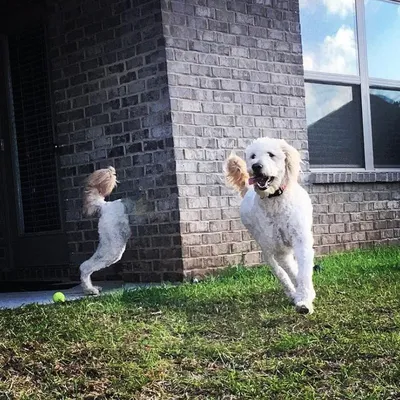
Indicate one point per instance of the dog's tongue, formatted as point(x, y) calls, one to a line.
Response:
point(252, 180)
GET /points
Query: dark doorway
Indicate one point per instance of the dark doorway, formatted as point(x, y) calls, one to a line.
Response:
point(31, 229)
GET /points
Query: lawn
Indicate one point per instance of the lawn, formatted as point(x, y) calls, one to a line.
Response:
point(232, 337)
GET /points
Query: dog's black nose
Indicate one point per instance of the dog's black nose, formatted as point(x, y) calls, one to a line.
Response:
point(257, 167)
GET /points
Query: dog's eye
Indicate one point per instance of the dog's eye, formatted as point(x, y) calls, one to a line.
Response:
point(253, 156)
point(271, 155)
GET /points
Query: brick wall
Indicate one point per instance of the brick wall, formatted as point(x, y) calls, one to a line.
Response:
point(349, 216)
point(112, 108)
point(235, 74)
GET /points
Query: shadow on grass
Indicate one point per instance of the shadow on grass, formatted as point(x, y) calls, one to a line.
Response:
point(239, 295)
point(240, 290)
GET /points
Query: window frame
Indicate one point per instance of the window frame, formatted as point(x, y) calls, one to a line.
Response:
point(365, 84)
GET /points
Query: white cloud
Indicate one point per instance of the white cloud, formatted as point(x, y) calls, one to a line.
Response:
point(308, 62)
point(337, 54)
point(305, 3)
point(309, 6)
point(343, 8)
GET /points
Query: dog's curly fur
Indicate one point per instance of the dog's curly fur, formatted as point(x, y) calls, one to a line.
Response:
point(280, 224)
point(114, 229)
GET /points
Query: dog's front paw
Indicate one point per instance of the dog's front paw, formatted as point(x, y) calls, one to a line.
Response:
point(291, 295)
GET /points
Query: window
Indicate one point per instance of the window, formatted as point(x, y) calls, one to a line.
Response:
point(351, 57)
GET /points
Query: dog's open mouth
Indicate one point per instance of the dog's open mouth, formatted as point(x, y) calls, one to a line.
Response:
point(261, 181)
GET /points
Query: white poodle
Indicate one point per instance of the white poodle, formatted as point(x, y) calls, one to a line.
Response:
point(114, 229)
point(277, 211)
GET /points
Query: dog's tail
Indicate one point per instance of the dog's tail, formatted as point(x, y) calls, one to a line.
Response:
point(236, 174)
point(99, 185)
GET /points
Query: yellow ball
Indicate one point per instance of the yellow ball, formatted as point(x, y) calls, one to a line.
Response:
point(58, 297)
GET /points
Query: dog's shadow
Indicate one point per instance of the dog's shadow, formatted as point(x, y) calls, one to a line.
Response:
point(201, 304)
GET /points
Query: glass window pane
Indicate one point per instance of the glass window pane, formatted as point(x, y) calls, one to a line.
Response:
point(335, 136)
point(382, 20)
point(328, 36)
point(385, 116)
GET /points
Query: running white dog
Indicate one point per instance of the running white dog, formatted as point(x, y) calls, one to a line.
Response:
point(277, 211)
point(114, 228)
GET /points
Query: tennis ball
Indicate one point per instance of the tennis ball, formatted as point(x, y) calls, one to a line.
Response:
point(58, 297)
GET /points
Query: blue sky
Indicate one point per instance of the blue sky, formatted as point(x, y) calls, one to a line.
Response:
point(328, 36)
point(383, 39)
point(329, 31)
point(330, 45)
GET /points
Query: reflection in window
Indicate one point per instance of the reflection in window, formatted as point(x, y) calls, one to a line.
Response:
point(385, 115)
point(382, 21)
point(334, 125)
point(328, 36)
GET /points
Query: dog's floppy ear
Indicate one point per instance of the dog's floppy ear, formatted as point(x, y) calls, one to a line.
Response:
point(292, 162)
point(103, 180)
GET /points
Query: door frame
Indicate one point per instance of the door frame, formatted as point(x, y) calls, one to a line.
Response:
point(10, 158)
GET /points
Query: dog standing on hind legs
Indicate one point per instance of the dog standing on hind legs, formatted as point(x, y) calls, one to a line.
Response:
point(114, 229)
point(277, 212)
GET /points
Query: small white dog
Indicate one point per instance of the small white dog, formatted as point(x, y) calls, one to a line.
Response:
point(114, 228)
point(277, 211)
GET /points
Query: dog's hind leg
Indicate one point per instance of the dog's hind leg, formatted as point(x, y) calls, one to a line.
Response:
point(289, 264)
point(102, 258)
point(282, 275)
point(87, 268)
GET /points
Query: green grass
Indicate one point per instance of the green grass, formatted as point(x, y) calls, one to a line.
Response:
point(232, 337)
